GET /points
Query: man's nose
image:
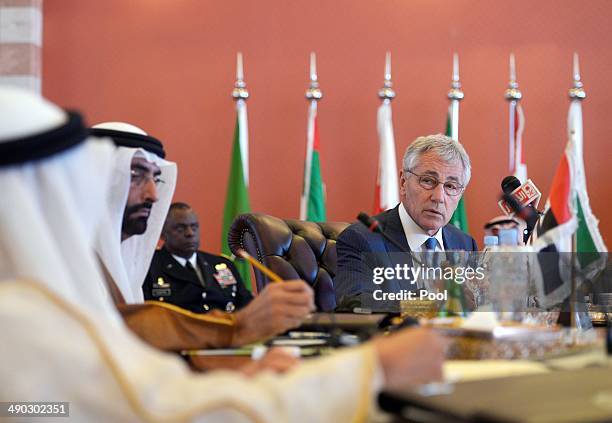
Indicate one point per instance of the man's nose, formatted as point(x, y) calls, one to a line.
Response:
point(437, 194)
point(150, 191)
point(189, 232)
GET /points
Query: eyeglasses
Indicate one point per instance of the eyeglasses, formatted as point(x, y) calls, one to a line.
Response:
point(429, 182)
point(138, 177)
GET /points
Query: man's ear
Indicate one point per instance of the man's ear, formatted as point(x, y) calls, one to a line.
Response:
point(402, 181)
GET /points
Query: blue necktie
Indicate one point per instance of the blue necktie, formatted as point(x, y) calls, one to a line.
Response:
point(430, 244)
point(429, 257)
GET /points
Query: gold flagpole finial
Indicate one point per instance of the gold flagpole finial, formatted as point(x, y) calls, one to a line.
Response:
point(455, 92)
point(513, 93)
point(240, 92)
point(387, 93)
point(577, 91)
point(314, 92)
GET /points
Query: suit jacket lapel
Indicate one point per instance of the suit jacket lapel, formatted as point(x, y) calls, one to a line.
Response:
point(392, 225)
point(450, 241)
point(394, 229)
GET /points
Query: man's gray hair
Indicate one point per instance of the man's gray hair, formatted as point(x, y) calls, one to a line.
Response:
point(444, 147)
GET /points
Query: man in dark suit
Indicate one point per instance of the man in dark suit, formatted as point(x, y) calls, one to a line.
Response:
point(434, 175)
point(192, 279)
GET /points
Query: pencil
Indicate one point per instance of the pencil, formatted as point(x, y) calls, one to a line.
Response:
point(234, 352)
point(266, 271)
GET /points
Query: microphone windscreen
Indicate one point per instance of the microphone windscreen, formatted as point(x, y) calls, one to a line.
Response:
point(367, 220)
point(510, 183)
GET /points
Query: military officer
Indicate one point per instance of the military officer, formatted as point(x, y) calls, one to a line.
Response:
point(192, 279)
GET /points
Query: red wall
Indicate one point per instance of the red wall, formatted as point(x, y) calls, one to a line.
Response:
point(168, 66)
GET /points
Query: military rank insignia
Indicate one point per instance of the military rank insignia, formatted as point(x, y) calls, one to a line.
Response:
point(224, 275)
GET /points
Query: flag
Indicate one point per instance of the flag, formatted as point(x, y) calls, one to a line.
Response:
point(459, 218)
point(312, 203)
point(568, 208)
point(517, 126)
point(567, 212)
point(387, 188)
point(589, 239)
point(237, 199)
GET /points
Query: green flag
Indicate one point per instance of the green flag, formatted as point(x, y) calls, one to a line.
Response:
point(459, 218)
point(237, 199)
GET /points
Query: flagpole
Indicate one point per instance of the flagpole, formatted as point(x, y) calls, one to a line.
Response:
point(240, 92)
point(579, 319)
point(240, 95)
point(577, 91)
point(313, 94)
point(455, 95)
point(513, 96)
point(237, 199)
point(386, 192)
point(386, 93)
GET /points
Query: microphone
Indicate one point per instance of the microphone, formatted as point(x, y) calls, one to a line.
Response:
point(527, 194)
point(369, 222)
point(374, 226)
point(510, 183)
point(528, 213)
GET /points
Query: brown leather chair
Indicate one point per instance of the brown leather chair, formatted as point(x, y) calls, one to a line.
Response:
point(293, 249)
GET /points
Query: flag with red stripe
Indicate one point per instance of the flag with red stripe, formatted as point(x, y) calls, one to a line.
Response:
point(568, 208)
point(567, 212)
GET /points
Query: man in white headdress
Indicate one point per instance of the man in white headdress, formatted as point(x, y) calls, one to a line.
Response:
point(63, 340)
point(498, 224)
point(141, 192)
point(142, 185)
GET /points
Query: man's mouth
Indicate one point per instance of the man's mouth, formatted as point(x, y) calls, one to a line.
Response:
point(143, 212)
point(433, 212)
point(138, 211)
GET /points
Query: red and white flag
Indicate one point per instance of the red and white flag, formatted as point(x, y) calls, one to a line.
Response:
point(387, 188)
